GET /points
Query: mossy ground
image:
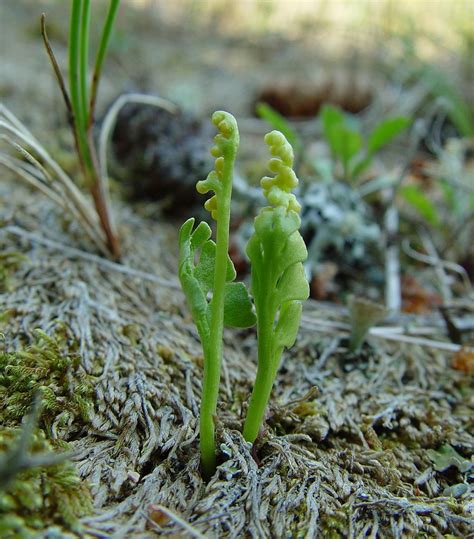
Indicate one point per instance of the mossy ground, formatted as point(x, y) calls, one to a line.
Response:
point(42, 499)
point(351, 441)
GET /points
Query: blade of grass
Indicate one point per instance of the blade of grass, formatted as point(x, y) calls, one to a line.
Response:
point(78, 52)
point(84, 58)
point(104, 41)
point(12, 125)
point(75, 88)
point(74, 51)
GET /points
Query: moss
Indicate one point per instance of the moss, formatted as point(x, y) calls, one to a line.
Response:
point(10, 261)
point(334, 526)
point(165, 353)
point(65, 392)
point(40, 497)
point(132, 332)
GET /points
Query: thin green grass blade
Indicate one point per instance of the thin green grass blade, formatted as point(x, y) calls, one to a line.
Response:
point(74, 47)
point(104, 42)
point(84, 59)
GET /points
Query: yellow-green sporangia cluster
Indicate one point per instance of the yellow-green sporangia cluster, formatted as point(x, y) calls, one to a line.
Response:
point(278, 189)
point(225, 150)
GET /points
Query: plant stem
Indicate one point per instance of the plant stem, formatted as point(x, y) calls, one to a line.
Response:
point(99, 196)
point(57, 71)
point(264, 380)
point(213, 352)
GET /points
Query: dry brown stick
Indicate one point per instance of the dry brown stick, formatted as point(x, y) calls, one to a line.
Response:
point(379, 333)
point(57, 72)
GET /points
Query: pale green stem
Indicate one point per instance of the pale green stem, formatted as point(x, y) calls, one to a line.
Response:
point(267, 363)
point(212, 360)
point(263, 382)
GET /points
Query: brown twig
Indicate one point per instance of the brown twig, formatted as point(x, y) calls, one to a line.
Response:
point(57, 72)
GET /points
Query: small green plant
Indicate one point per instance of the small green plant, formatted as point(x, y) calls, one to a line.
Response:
point(346, 142)
point(37, 167)
point(278, 282)
point(229, 303)
point(349, 151)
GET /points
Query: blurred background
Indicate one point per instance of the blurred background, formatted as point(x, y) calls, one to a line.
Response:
point(194, 51)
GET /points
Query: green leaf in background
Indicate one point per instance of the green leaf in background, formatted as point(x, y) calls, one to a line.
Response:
point(385, 132)
point(350, 142)
point(278, 122)
point(416, 198)
point(449, 194)
point(360, 166)
point(459, 110)
point(333, 122)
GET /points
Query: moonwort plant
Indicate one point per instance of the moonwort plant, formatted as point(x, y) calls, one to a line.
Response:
point(213, 273)
point(278, 283)
point(276, 251)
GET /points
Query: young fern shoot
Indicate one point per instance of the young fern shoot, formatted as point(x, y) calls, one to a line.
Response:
point(214, 299)
point(278, 283)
